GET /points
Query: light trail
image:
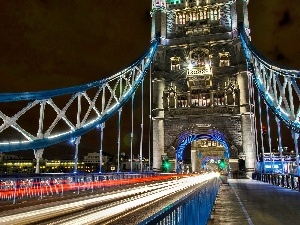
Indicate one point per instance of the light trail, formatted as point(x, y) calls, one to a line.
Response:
point(111, 204)
point(28, 188)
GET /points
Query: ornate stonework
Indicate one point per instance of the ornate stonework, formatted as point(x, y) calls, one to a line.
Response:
point(202, 66)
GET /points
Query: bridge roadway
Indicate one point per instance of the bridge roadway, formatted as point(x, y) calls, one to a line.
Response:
point(248, 202)
point(242, 202)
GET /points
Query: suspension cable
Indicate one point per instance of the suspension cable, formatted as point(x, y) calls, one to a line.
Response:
point(142, 128)
point(261, 134)
point(279, 142)
point(119, 139)
point(269, 138)
point(255, 124)
point(295, 137)
point(150, 117)
point(250, 88)
point(102, 125)
point(131, 135)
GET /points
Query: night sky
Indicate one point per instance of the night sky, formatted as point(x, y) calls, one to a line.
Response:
point(54, 44)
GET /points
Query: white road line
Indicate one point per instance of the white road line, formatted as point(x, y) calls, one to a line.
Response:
point(243, 207)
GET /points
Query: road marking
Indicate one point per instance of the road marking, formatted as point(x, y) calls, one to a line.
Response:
point(243, 207)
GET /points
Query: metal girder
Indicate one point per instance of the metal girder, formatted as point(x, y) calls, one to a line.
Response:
point(276, 84)
point(103, 97)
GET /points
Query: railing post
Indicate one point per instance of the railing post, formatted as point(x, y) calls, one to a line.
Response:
point(15, 192)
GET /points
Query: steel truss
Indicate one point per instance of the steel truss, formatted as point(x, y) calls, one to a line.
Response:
point(276, 85)
point(85, 107)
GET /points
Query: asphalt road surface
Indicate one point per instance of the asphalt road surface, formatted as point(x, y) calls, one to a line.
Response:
point(248, 202)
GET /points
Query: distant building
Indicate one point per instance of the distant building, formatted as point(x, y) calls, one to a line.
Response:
point(92, 162)
point(62, 166)
point(125, 163)
point(10, 164)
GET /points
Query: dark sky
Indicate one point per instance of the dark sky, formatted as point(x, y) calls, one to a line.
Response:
point(275, 28)
point(54, 44)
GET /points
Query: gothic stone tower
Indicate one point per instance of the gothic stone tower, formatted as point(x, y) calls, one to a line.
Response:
point(200, 79)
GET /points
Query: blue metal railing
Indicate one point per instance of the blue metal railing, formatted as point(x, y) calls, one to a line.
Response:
point(39, 186)
point(194, 208)
point(290, 181)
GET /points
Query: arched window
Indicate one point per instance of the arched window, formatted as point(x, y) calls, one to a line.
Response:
point(181, 18)
point(175, 63)
point(172, 95)
point(201, 15)
point(214, 14)
point(194, 16)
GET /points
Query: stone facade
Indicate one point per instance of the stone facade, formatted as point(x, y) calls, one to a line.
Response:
point(200, 74)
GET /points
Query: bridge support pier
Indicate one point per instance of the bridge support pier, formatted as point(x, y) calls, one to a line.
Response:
point(247, 120)
point(248, 143)
point(38, 154)
point(194, 160)
point(158, 143)
point(158, 123)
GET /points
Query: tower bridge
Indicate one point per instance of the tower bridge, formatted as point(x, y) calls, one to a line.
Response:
point(205, 78)
point(201, 74)
point(208, 86)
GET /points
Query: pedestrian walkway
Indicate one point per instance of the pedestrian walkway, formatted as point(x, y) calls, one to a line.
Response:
point(248, 202)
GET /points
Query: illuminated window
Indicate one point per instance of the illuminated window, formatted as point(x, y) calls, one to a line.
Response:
point(182, 101)
point(194, 16)
point(219, 99)
point(175, 63)
point(214, 14)
point(203, 14)
point(224, 59)
point(181, 19)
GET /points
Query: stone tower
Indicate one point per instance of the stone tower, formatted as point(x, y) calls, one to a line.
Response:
point(200, 79)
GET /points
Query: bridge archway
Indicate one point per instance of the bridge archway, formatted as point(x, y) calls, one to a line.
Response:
point(187, 137)
point(213, 136)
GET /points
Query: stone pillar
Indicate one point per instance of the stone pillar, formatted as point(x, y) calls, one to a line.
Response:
point(188, 99)
point(247, 119)
point(194, 160)
point(212, 99)
point(158, 123)
point(242, 12)
point(159, 24)
point(38, 154)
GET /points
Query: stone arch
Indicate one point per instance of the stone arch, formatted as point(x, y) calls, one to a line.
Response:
point(196, 133)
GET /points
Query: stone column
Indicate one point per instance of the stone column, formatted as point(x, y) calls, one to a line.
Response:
point(212, 98)
point(159, 24)
point(194, 160)
point(189, 98)
point(242, 12)
point(38, 154)
point(248, 136)
point(158, 123)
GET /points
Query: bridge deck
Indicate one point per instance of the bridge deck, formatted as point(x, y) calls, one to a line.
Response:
point(246, 201)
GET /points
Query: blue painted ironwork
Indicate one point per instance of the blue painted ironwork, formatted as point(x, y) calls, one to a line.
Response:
point(194, 208)
point(276, 84)
point(189, 136)
point(131, 78)
point(25, 186)
point(290, 181)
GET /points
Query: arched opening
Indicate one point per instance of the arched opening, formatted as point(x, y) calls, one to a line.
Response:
point(207, 161)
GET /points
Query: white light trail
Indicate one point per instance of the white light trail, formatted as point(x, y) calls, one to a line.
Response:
point(158, 190)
